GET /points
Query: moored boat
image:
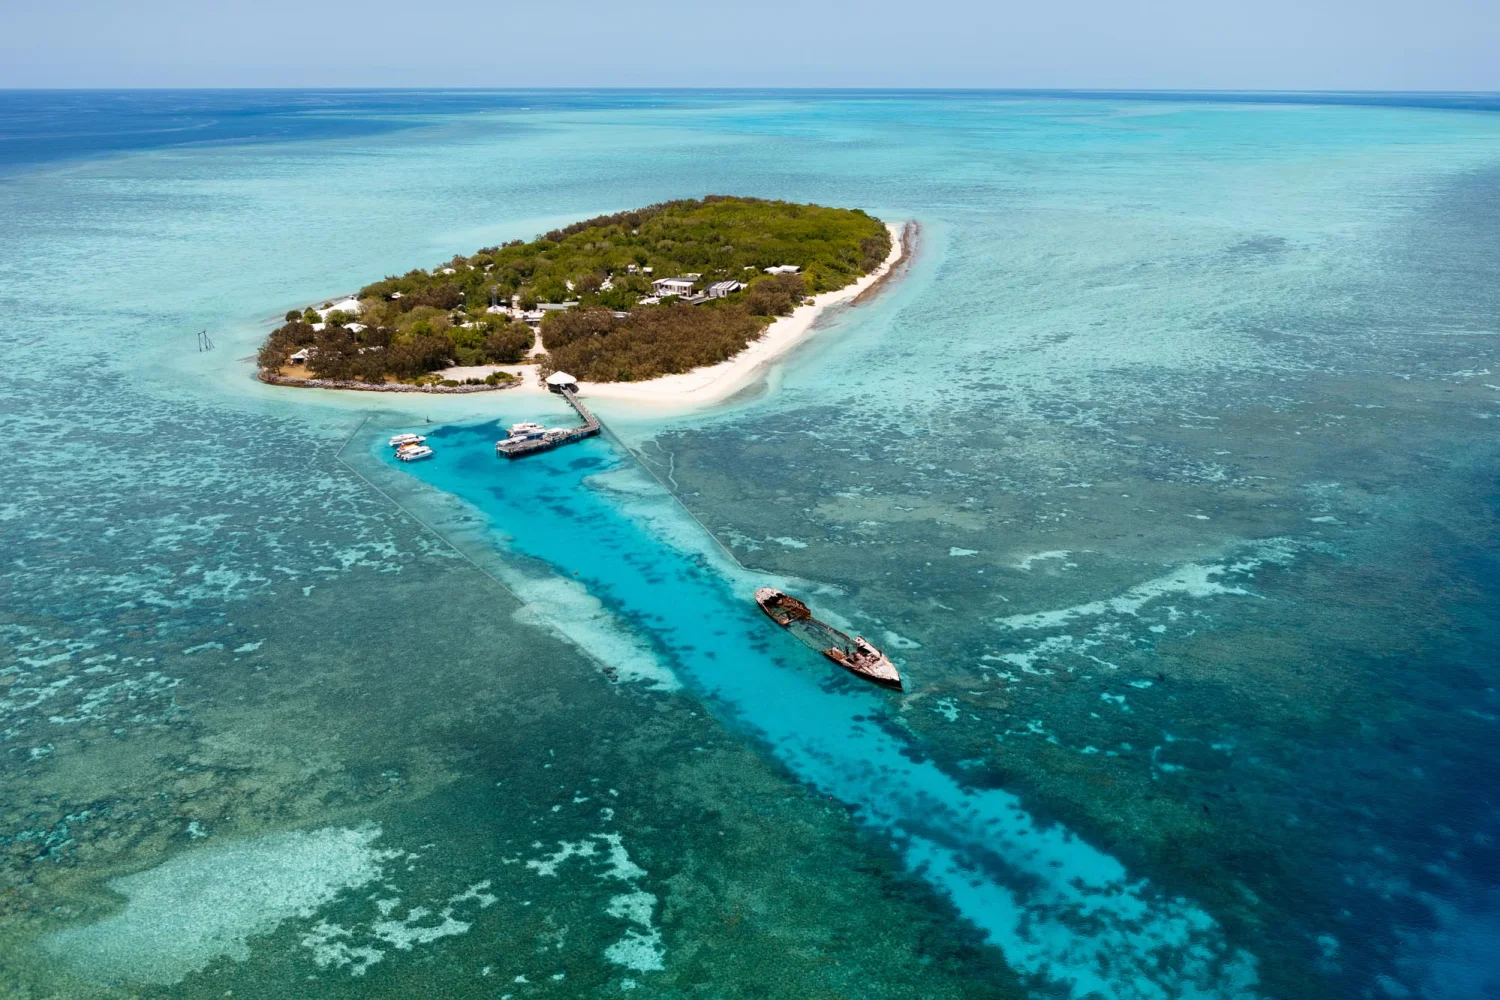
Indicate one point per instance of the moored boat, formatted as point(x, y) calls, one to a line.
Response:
point(404, 439)
point(413, 452)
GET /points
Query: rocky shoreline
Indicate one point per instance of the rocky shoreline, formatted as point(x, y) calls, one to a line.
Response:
point(272, 378)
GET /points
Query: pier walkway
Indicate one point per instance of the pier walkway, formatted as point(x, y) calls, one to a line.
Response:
point(589, 429)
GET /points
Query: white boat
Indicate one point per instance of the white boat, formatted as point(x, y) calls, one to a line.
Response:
point(527, 429)
point(404, 439)
point(413, 452)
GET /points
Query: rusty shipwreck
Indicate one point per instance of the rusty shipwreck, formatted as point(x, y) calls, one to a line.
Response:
point(855, 655)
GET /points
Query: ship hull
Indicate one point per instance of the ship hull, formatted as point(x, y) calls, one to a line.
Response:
point(855, 655)
point(781, 608)
point(881, 671)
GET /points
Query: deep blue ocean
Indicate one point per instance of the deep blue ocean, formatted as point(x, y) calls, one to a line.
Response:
point(1167, 471)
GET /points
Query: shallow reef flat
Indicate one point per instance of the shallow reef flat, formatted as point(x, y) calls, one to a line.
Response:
point(471, 799)
point(1235, 626)
point(1166, 474)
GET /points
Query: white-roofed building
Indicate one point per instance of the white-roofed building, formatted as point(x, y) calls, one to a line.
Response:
point(719, 289)
point(350, 305)
point(783, 269)
point(673, 286)
point(558, 381)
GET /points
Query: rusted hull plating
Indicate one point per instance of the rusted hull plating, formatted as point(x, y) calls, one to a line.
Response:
point(783, 609)
point(877, 669)
point(855, 655)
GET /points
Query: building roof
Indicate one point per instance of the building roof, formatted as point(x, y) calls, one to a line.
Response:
point(561, 378)
point(350, 305)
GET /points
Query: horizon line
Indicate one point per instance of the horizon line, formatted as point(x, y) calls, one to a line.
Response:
point(758, 89)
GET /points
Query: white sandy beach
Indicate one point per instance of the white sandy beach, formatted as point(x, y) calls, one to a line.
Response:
point(706, 386)
point(658, 397)
point(703, 387)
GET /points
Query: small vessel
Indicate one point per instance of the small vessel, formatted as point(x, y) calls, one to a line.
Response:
point(404, 439)
point(526, 429)
point(855, 655)
point(413, 452)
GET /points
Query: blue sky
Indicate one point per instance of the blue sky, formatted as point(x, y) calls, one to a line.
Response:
point(1167, 44)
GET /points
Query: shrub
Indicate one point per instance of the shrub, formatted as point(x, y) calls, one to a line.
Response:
point(508, 344)
point(718, 237)
point(650, 342)
point(775, 294)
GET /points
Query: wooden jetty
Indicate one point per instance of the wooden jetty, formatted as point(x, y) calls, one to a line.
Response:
point(551, 439)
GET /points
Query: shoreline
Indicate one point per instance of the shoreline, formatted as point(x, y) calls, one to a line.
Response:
point(667, 395)
point(713, 384)
point(351, 385)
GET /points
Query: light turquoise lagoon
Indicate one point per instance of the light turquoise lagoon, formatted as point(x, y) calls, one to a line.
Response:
point(1167, 472)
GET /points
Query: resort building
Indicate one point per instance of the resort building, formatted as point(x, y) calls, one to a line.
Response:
point(673, 286)
point(783, 269)
point(349, 305)
point(558, 381)
point(719, 289)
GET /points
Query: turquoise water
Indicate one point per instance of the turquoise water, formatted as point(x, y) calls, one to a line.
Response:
point(1057, 908)
point(1167, 474)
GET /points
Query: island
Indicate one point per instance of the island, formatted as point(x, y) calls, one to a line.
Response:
point(636, 296)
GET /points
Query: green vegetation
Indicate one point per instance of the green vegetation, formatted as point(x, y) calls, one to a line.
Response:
point(468, 311)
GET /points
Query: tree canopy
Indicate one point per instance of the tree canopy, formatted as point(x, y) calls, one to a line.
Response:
point(466, 310)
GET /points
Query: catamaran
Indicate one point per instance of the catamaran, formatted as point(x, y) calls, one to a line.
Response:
point(412, 452)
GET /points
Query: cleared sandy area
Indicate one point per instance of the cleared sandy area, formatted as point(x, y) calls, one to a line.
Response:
point(460, 372)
